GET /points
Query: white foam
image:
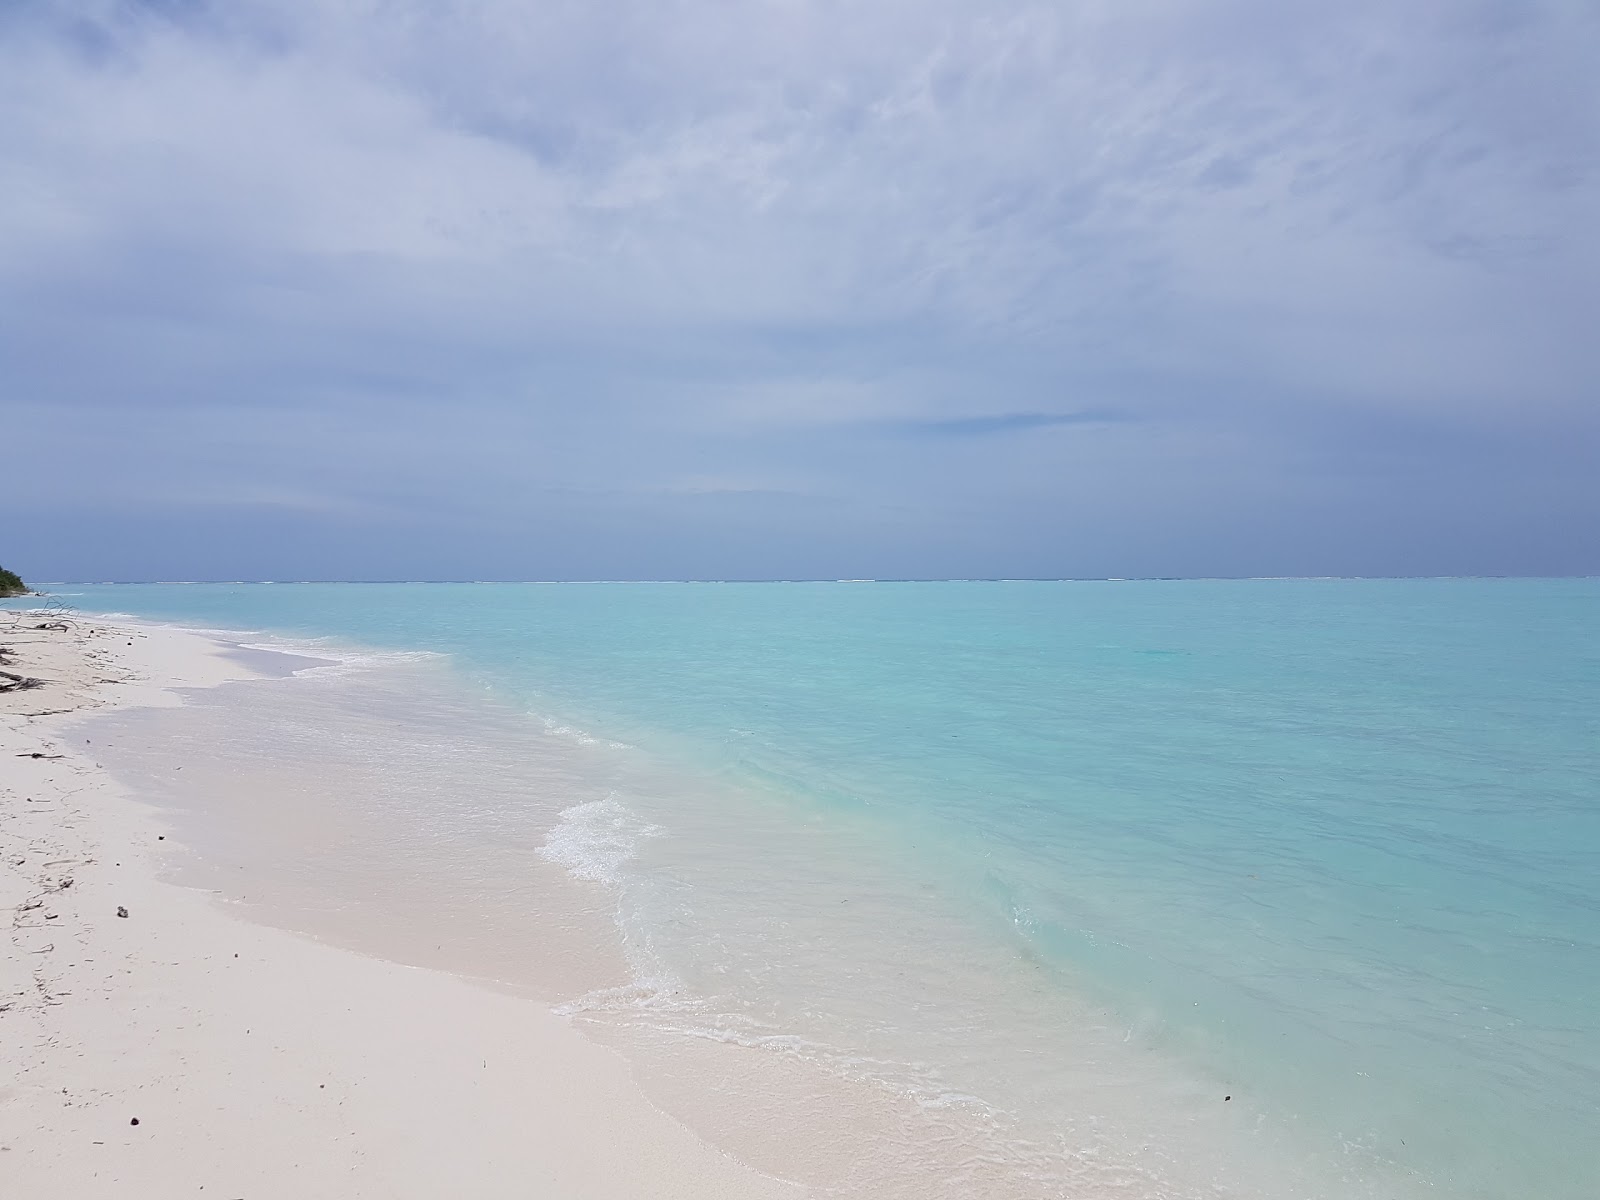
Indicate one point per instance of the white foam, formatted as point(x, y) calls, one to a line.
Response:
point(342, 661)
point(597, 840)
point(337, 658)
point(556, 729)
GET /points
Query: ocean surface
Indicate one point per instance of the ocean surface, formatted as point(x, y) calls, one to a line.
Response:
point(1147, 889)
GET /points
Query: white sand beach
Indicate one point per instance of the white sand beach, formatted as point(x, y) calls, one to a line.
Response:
point(180, 1050)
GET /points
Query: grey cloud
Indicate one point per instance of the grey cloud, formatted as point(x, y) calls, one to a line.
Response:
point(490, 259)
point(1016, 422)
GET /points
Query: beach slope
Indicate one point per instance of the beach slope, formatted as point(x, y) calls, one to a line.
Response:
point(152, 1044)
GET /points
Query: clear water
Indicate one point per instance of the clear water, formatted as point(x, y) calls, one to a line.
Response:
point(1084, 858)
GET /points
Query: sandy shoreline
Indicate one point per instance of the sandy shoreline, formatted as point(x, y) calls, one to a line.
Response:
point(258, 1062)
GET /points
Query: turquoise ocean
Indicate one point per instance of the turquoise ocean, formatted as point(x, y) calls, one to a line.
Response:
point(1143, 879)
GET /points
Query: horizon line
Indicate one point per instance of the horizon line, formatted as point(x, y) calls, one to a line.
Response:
point(797, 579)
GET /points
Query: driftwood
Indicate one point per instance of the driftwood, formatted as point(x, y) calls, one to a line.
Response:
point(17, 683)
point(53, 616)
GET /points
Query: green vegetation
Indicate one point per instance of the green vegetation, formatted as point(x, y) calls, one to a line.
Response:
point(11, 584)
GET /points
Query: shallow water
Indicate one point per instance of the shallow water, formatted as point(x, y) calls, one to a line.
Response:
point(1057, 867)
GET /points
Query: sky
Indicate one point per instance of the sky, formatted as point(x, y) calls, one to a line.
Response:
point(496, 289)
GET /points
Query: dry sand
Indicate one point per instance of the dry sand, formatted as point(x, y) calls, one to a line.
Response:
point(182, 1050)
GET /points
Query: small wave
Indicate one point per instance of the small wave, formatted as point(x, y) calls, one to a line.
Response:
point(648, 992)
point(338, 658)
point(341, 661)
point(557, 729)
point(597, 840)
point(663, 1005)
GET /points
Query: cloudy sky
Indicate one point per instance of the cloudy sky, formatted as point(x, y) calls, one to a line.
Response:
point(799, 288)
